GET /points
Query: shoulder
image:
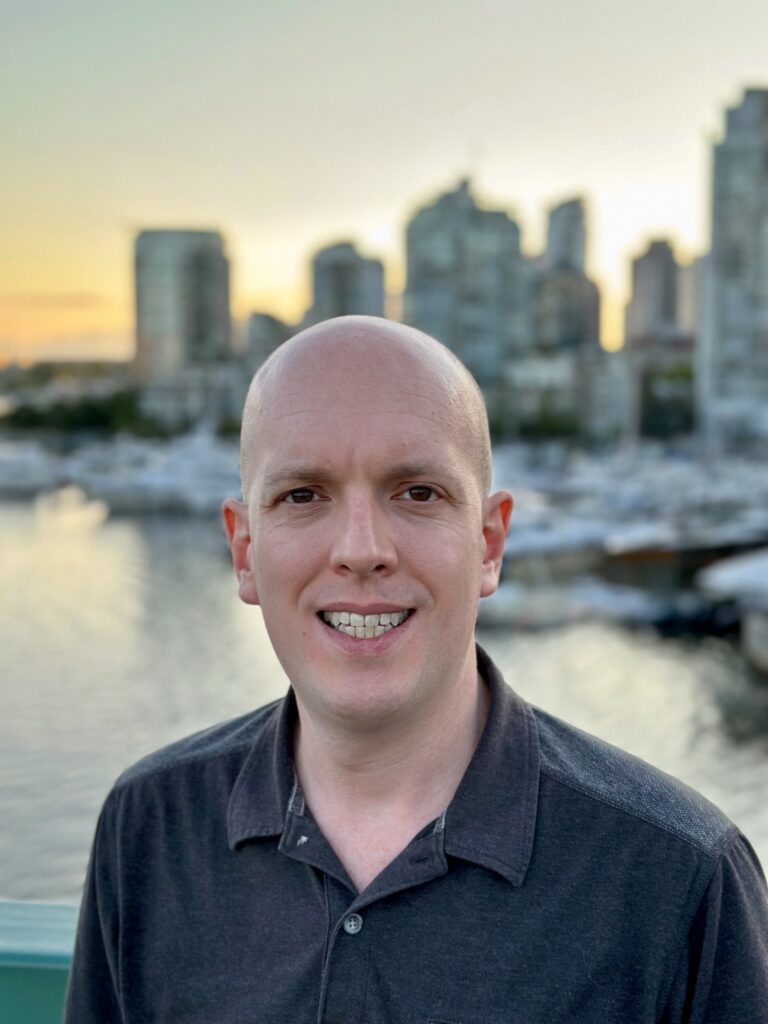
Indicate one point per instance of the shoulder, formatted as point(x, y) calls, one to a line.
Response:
point(228, 740)
point(613, 778)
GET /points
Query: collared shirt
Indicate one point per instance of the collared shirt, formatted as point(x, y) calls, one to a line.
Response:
point(566, 882)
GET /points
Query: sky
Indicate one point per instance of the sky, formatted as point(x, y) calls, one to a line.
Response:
point(290, 125)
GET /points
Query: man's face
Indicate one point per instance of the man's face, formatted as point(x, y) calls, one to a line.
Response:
point(370, 541)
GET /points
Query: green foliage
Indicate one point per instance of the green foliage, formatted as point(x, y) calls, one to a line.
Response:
point(548, 425)
point(228, 426)
point(667, 408)
point(119, 412)
point(18, 378)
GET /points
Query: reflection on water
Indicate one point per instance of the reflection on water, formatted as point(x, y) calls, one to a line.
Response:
point(121, 637)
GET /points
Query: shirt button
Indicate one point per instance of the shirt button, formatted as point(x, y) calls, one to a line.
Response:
point(353, 924)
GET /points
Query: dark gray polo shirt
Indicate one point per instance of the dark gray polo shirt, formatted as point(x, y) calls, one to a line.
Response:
point(566, 882)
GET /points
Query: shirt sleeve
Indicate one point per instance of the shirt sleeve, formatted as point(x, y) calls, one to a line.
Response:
point(722, 977)
point(93, 991)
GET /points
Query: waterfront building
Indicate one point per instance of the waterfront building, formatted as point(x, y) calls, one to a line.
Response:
point(344, 283)
point(602, 397)
point(653, 307)
point(207, 396)
point(567, 236)
point(468, 282)
point(659, 345)
point(735, 377)
point(181, 302)
point(541, 394)
point(661, 397)
point(566, 305)
point(566, 311)
point(265, 333)
point(553, 385)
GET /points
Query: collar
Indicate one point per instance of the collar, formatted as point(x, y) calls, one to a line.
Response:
point(492, 817)
point(266, 786)
point(491, 820)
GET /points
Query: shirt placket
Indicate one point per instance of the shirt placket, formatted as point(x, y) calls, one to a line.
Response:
point(352, 917)
point(347, 959)
point(354, 934)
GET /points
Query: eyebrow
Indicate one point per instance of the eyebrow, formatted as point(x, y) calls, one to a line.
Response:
point(307, 472)
point(299, 471)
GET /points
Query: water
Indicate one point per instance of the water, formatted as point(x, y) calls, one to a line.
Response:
point(116, 639)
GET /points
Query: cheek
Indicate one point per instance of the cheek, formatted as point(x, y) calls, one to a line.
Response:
point(451, 572)
point(283, 561)
point(447, 547)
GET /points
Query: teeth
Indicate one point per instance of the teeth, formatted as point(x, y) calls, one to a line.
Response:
point(364, 626)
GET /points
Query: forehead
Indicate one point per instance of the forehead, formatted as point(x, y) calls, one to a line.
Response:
point(382, 407)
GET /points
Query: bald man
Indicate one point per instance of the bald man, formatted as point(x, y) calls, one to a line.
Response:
point(401, 838)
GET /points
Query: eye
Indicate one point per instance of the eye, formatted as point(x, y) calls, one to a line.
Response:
point(421, 493)
point(299, 496)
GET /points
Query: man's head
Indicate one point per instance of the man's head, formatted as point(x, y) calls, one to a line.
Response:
point(366, 467)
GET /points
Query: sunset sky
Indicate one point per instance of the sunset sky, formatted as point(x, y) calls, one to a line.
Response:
point(288, 125)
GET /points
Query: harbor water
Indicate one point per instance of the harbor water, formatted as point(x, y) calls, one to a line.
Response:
point(118, 637)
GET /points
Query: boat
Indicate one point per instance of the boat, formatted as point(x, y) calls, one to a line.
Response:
point(190, 475)
point(26, 468)
point(516, 606)
point(745, 578)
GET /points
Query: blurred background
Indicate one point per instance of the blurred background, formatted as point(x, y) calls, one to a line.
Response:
point(573, 197)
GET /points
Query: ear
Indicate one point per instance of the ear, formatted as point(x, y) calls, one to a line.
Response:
point(498, 509)
point(234, 515)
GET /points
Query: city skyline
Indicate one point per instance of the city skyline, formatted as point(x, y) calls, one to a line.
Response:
point(288, 128)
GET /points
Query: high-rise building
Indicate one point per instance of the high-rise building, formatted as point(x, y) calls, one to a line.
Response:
point(566, 301)
point(182, 302)
point(468, 282)
point(736, 351)
point(659, 345)
point(344, 283)
point(566, 311)
point(566, 236)
point(265, 334)
point(652, 311)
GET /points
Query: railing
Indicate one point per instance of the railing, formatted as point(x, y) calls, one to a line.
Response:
point(35, 951)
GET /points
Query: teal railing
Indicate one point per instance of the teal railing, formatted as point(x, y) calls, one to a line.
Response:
point(36, 942)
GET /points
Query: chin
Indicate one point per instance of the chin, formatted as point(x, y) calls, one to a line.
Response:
point(364, 701)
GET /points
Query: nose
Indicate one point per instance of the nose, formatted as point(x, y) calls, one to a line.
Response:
point(363, 543)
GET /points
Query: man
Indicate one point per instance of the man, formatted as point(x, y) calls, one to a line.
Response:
point(401, 839)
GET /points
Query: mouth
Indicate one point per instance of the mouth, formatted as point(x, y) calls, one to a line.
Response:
point(365, 627)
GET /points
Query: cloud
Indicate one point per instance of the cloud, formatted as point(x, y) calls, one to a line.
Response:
point(55, 300)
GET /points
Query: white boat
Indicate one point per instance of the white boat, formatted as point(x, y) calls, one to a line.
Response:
point(26, 468)
point(613, 602)
point(516, 606)
point(745, 577)
point(189, 475)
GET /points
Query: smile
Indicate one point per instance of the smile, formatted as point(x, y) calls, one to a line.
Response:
point(364, 627)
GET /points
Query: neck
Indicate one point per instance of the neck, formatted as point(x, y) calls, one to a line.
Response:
point(389, 781)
